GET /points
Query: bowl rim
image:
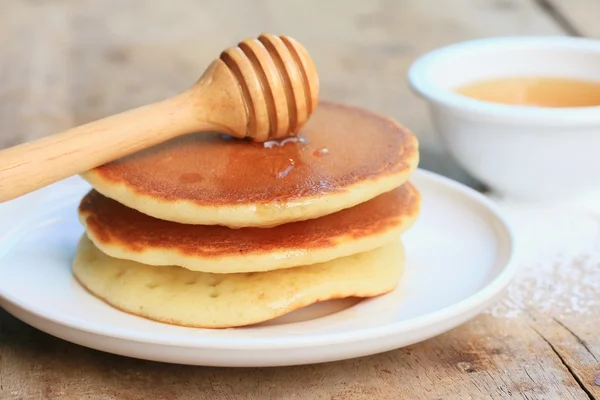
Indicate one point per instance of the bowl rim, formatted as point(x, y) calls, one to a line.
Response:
point(422, 86)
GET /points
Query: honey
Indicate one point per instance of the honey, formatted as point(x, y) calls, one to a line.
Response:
point(535, 91)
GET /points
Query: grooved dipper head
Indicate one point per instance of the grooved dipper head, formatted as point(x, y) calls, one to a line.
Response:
point(279, 84)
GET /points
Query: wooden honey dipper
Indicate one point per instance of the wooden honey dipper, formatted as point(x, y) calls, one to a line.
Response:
point(262, 89)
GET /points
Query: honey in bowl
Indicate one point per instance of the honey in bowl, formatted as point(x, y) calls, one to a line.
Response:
point(535, 91)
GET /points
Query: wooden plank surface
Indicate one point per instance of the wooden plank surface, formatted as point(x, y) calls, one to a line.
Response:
point(582, 15)
point(74, 61)
point(488, 358)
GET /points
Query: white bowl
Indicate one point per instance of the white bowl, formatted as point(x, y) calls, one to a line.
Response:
point(520, 152)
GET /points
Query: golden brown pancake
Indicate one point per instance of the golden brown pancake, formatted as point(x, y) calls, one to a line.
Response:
point(125, 233)
point(178, 296)
point(344, 156)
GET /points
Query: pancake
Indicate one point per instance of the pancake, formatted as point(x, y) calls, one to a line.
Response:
point(344, 156)
point(125, 233)
point(178, 296)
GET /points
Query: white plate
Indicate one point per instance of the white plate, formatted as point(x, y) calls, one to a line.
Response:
point(458, 263)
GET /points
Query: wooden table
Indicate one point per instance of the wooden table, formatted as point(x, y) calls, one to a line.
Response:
point(67, 62)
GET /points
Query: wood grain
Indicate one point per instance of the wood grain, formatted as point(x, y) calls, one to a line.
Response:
point(485, 359)
point(575, 341)
point(74, 61)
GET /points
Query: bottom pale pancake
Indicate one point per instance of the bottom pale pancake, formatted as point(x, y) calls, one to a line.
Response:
point(122, 232)
point(178, 296)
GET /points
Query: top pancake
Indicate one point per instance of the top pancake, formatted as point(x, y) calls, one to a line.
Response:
point(344, 156)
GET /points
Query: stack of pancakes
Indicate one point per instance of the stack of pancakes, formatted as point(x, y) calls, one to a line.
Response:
point(214, 232)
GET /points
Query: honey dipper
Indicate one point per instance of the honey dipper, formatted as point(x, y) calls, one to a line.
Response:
point(262, 89)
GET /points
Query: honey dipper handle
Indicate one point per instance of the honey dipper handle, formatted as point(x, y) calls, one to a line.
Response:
point(33, 165)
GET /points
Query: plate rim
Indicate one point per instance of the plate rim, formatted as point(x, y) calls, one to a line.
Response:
point(450, 312)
